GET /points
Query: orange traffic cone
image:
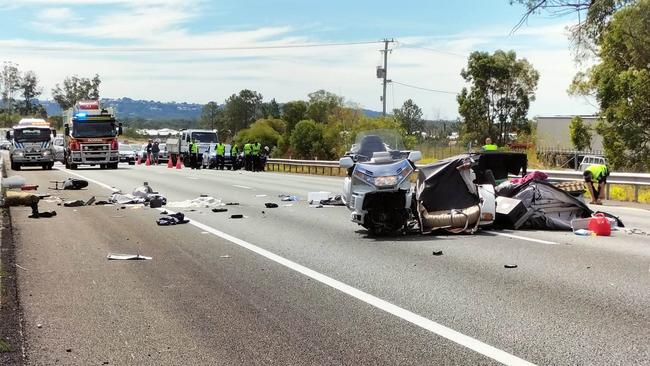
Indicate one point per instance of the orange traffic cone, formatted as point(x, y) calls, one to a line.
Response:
point(148, 162)
point(178, 162)
point(139, 158)
point(169, 162)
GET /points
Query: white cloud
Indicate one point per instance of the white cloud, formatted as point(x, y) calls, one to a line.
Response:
point(54, 14)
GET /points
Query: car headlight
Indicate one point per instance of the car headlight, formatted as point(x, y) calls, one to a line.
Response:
point(20, 154)
point(46, 153)
point(389, 180)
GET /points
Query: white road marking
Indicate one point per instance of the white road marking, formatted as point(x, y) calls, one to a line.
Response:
point(522, 237)
point(238, 186)
point(195, 178)
point(418, 320)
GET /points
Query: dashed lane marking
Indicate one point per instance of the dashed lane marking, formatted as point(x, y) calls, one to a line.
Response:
point(522, 237)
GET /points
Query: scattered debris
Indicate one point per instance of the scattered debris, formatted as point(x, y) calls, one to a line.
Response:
point(510, 266)
point(200, 202)
point(69, 350)
point(219, 210)
point(15, 181)
point(124, 199)
point(224, 256)
point(29, 187)
point(583, 232)
point(75, 203)
point(635, 231)
point(21, 267)
point(437, 252)
point(90, 201)
point(173, 219)
point(260, 195)
point(69, 184)
point(102, 203)
point(333, 201)
point(39, 325)
point(316, 197)
point(127, 257)
point(271, 205)
point(237, 216)
point(46, 214)
point(232, 204)
point(285, 198)
point(163, 212)
point(287, 205)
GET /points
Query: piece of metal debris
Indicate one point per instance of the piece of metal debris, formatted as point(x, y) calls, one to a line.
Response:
point(510, 266)
point(127, 257)
point(437, 252)
point(237, 216)
point(271, 205)
point(219, 210)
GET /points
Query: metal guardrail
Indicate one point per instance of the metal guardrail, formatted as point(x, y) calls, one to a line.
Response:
point(323, 167)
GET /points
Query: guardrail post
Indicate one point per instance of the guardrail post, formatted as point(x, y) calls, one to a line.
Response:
point(636, 193)
point(607, 191)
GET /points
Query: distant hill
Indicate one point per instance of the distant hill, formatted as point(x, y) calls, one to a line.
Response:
point(128, 108)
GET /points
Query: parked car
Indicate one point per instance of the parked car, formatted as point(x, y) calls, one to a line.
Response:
point(163, 155)
point(58, 144)
point(589, 160)
point(227, 159)
point(127, 154)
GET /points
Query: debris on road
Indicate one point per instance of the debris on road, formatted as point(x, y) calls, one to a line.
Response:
point(127, 257)
point(582, 232)
point(232, 204)
point(90, 201)
point(260, 195)
point(437, 252)
point(333, 201)
point(224, 256)
point(219, 210)
point(29, 187)
point(69, 184)
point(200, 202)
point(46, 214)
point(286, 198)
point(510, 266)
point(74, 203)
point(271, 205)
point(237, 216)
point(173, 219)
point(102, 203)
point(124, 199)
point(15, 181)
point(316, 197)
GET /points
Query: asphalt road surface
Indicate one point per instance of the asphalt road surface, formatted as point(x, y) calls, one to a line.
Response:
point(297, 285)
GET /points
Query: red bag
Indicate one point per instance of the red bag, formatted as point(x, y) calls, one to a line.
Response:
point(599, 225)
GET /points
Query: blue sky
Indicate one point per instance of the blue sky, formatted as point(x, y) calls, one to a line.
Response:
point(32, 28)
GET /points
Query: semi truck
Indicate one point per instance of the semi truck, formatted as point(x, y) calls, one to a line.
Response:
point(31, 144)
point(91, 136)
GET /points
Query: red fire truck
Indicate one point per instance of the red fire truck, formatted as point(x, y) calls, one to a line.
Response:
point(91, 136)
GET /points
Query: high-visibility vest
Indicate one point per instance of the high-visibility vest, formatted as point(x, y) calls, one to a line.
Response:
point(194, 147)
point(233, 150)
point(221, 149)
point(490, 147)
point(256, 148)
point(247, 149)
point(598, 171)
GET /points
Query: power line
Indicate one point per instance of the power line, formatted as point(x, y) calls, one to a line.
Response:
point(180, 49)
point(408, 45)
point(425, 89)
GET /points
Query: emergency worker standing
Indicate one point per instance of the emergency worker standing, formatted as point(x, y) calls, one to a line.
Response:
point(489, 146)
point(257, 148)
point(194, 154)
point(597, 173)
point(234, 151)
point(221, 151)
point(248, 157)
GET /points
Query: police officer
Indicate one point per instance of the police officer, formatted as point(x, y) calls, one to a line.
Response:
point(194, 154)
point(257, 148)
point(597, 173)
point(234, 151)
point(248, 157)
point(489, 146)
point(221, 151)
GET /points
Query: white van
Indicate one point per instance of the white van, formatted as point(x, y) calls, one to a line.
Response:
point(589, 160)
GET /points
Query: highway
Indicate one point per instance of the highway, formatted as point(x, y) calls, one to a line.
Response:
point(298, 285)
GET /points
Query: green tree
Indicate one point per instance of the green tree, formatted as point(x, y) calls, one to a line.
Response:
point(621, 84)
point(307, 139)
point(322, 104)
point(410, 116)
point(211, 117)
point(241, 110)
point(9, 85)
point(294, 112)
point(500, 92)
point(29, 90)
point(580, 134)
point(270, 109)
point(74, 89)
point(267, 131)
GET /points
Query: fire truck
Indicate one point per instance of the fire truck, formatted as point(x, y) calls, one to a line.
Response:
point(91, 136)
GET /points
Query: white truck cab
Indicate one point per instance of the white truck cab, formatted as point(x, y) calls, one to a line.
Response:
point(31, 144)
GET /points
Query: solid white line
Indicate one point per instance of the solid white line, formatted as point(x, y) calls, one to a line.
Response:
point(522, 237)
point(418, 320)
point(238, 186)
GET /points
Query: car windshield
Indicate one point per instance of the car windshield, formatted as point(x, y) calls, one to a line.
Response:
point(93, 129)
point(205, 137)
point(124, 147)
point(31, 134)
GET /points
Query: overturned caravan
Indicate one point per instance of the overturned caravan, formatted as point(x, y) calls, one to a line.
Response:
point(447, 197)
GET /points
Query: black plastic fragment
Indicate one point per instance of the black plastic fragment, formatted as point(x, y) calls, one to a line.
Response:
point(237, 216)
point(510, 266)
point(219, 209)
point(437, 252)
point(271, 205)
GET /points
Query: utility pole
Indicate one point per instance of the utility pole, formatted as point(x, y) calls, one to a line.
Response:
point(382, 73)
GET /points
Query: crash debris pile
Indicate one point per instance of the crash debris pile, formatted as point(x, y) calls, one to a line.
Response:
point(199, 202)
